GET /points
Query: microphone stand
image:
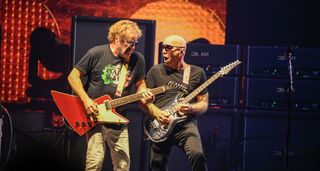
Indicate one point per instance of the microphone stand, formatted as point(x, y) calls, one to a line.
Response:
point(288, 119)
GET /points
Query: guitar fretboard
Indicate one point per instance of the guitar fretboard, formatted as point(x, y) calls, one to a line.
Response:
point(134, 97)
point(201, 88)
point(193, 94)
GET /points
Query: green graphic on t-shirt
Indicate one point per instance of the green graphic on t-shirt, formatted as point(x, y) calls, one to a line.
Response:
point(106, 72)
point(110, 74)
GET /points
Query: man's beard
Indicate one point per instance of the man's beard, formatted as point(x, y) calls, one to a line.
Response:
point(124, 55)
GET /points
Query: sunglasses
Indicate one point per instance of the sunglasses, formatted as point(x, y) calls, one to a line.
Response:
point(170, 47)
point(131, 42)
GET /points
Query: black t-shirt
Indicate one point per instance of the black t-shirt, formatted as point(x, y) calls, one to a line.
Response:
point(160, 75)
point(102, 70)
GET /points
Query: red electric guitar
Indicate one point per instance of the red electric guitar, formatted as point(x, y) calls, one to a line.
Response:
point(73, 110)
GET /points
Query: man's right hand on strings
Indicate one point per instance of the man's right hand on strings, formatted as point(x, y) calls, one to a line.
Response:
point(91, 107)
point(163, 117)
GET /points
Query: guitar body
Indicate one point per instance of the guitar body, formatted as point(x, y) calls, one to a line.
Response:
point(71, 107)
point(108, 115)
point(158, 132)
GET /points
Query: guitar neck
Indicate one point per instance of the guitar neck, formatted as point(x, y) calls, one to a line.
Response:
point(201, 88)
point(134, 97)
point(222, 71)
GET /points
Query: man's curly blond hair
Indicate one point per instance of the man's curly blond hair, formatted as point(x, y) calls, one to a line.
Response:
point(121, 28)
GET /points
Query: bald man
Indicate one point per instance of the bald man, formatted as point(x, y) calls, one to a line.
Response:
point(185, 134)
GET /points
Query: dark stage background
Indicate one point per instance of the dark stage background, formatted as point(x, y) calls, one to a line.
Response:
point(273, 22)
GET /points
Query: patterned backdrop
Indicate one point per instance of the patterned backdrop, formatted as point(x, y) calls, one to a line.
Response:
point(36, 35)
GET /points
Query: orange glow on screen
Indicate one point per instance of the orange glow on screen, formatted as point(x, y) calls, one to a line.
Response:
point(19, 18)
point(189, 20)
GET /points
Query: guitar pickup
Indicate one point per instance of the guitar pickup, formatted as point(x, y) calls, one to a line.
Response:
point(107, 104)
point(155, 124)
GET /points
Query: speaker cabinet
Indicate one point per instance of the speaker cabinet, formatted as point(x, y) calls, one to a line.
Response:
point(273, 62)
point(212, 57)
point(263, 93)
point(224, 93)
point(265, 137)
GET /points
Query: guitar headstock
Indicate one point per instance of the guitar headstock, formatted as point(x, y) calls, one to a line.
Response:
point(226, 69)
point(172, 85)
